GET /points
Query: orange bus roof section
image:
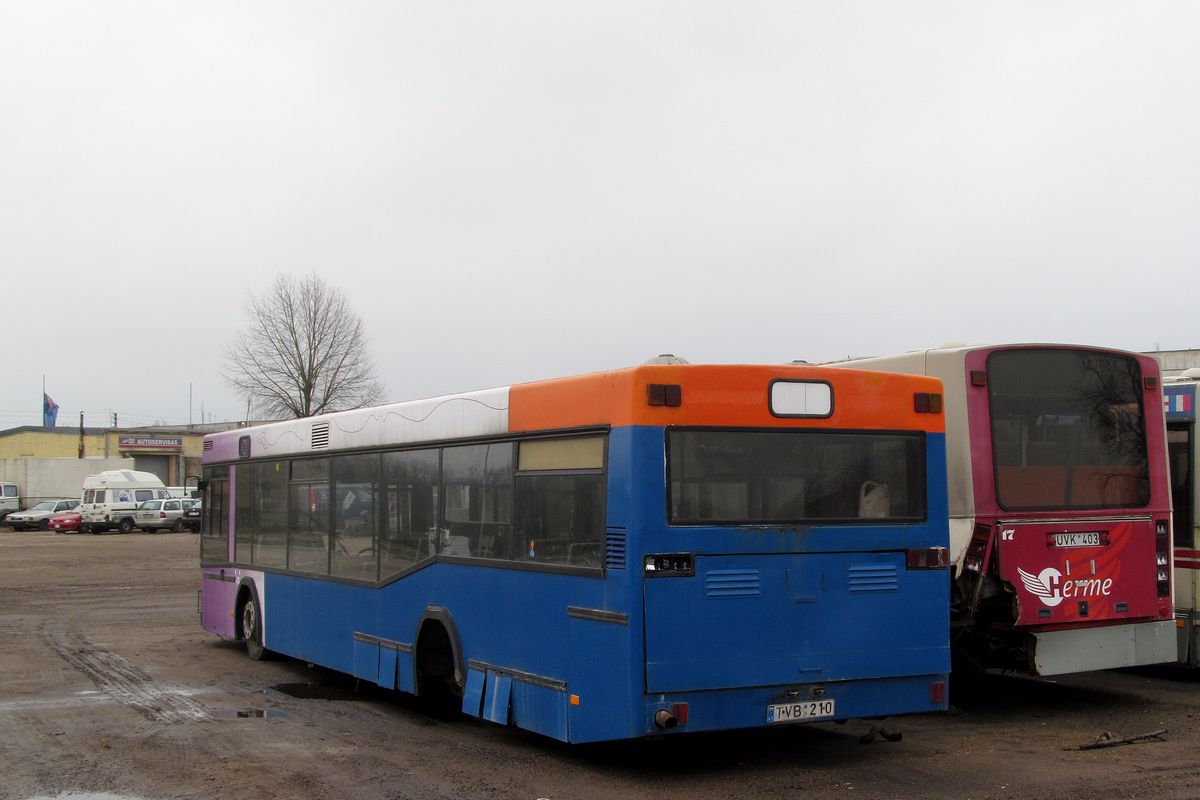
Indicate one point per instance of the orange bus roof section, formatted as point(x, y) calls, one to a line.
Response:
point(722, 395)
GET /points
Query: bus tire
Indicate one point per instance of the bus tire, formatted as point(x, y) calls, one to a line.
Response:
point(251, 627)
point(126, 525)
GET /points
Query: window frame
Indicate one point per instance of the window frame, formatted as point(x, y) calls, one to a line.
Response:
point(1004, 490)
point(382, 576)
point(916, 439)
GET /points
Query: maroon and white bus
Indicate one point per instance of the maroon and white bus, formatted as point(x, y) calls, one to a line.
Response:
point(1060, 506)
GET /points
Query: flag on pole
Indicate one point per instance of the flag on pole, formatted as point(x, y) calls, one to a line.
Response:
point(49, 411)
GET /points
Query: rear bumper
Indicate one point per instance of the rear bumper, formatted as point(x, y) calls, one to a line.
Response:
point(1109, 647)
point(747, 708)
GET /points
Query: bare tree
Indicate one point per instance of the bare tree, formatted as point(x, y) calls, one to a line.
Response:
point(303, 352)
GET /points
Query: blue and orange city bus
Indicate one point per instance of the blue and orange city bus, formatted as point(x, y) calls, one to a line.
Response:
point(660, 549)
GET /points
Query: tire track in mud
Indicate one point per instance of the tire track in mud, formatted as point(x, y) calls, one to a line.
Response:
point(124, 682)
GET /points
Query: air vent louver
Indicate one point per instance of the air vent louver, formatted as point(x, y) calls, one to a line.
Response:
point(320, 435)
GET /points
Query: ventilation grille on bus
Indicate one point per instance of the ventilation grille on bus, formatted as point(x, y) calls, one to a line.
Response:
point(208, 445)
point(733, 583)
point(873, 578)
point(614, 549)
point(320, 435)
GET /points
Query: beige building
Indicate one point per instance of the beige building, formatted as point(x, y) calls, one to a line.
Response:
point(172, 452)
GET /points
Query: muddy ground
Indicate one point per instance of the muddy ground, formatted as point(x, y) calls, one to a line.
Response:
point(108, 684)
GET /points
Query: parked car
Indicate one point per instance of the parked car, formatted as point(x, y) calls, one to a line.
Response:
point(68, 522)
point(191, 516)
point(38, 516)
point(158, 514)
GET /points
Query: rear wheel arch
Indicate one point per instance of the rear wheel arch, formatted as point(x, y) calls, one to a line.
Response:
point(439, 667)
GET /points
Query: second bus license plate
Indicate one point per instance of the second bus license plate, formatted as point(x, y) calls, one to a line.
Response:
point(1091, 539)
point(794, 712)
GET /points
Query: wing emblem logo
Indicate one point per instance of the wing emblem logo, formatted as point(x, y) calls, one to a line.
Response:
point(1046, 585)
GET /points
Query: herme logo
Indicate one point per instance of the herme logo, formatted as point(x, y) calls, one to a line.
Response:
point(1049, 586)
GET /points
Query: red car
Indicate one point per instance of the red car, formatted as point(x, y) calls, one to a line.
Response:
point(66, 523)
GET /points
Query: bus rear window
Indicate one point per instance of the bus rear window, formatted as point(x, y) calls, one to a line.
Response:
point(783, 477)
point(1068, 429)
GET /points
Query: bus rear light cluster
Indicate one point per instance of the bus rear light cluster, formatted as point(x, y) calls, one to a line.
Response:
point(1162, 557)
point(928, 558)
point(664, 394)
point(976, 557)
point(927, 402)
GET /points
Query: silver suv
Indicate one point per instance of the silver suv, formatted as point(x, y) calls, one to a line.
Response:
point(166, 513)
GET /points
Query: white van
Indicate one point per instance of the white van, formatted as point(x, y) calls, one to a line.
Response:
point(110, 498)
point(10, 499)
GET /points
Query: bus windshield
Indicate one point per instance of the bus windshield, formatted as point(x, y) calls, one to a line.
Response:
point(1068, 429)
point(779, 477)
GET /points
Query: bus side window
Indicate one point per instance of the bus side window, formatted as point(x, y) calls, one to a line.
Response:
point(409, 515)
point(560, 519)
point(356, 489)
point(477, 485)
point(560, 514)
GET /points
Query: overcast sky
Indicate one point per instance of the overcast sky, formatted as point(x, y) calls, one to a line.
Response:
point(515, 191)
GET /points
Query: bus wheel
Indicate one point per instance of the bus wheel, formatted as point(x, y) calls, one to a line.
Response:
point(126, 525)
point(252, 629)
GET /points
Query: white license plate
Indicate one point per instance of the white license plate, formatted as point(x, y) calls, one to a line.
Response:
point(793, 712)
point(1077, 539)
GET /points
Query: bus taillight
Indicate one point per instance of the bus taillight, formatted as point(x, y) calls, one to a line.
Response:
point(928, 558)
point(976, 559)
point(927, 402)
point(1162, 557)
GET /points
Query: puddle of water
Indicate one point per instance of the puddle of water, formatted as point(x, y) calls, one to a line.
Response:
point(248, 713)
point(312, 691)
